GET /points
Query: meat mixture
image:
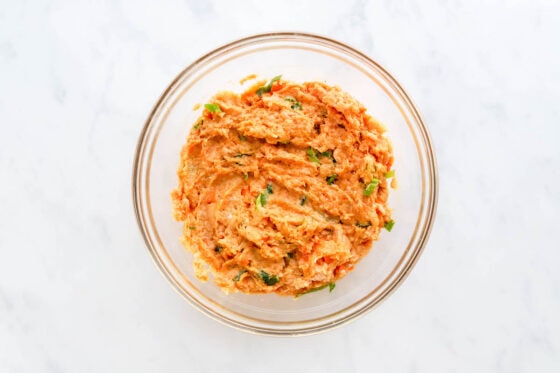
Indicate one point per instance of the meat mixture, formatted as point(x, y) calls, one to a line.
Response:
point(282, 188)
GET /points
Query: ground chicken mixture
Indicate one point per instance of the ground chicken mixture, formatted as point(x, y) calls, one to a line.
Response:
point(282, 188)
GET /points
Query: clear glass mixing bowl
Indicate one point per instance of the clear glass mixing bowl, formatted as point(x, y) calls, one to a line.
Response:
point(298, 57)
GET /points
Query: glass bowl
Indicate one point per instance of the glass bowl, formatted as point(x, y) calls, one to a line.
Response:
point(298, 57)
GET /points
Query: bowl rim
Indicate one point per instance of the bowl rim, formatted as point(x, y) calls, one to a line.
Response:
point(430, 199)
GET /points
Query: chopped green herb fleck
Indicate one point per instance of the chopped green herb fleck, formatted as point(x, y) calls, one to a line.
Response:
point(268, 279)
point(303, 200)
point(331, 179)
point(312, 156)
point(241, 155)
point(218, 249)
point(363, 225)
point(197, 126)
point(246, 176)
point(261, 200)
point(296, 105)
point(192, 227)
point(291, 255)
point(327, 154)
point(330, 285)
point(213, 108)
point(389, 174)
point(389, 225)
point(241, 137)
point(370, 187)
point(319, 288)
point(268, 87)
point(238, 276)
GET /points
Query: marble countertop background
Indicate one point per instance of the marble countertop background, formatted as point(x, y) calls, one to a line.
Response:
point(78, 291)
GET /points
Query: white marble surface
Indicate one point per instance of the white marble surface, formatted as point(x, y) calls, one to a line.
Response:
point(78, 291)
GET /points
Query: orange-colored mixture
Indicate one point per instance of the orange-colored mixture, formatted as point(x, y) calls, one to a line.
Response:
point(282, 188)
